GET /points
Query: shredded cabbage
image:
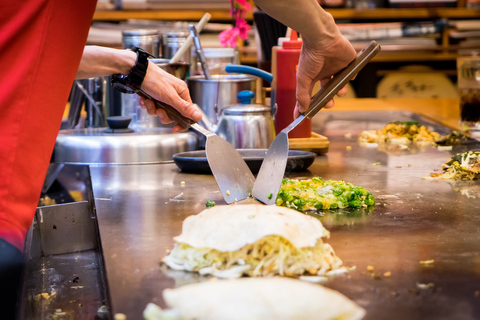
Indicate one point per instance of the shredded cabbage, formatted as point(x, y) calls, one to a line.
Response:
point(154, 312)
point(271, 255)
point(400, 132)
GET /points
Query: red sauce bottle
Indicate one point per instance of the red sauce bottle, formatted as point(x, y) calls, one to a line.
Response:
point(287, 63)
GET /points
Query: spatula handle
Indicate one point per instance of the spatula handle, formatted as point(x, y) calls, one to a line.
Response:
point(173, 113)
point(331, 88)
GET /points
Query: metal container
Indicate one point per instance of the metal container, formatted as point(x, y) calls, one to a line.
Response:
point(247, 126)
point(94, 145)
point(147, 39)
point(171, 42)
point(218, 93)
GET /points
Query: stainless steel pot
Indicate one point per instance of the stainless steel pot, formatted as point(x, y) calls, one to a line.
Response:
point(147, 39)
point(218, 93)
point(171, 43)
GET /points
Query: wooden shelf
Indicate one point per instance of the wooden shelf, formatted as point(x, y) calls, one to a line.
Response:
point(414, 56)
point(338, 14)
point(165, 15)
point(404, 14)
point(443, 52)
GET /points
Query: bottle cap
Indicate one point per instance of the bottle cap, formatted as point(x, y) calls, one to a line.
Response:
point(294, 43)
point(281, 40)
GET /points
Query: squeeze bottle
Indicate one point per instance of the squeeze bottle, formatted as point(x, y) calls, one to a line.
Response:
point(286, 83)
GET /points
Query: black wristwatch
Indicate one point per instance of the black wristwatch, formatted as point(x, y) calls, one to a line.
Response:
point(129, 83)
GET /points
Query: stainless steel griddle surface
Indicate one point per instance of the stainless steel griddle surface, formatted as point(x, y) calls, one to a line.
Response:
point(141, 208)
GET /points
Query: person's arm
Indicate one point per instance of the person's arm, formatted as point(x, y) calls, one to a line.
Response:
point(159, 84)
point(324, 52)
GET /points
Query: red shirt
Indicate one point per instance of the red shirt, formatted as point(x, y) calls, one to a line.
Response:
point(41, 44)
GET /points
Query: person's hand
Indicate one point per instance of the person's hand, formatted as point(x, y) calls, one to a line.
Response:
point(165, 87)
point(319, 62)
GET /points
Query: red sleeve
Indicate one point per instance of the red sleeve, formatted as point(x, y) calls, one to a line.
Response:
point(41, 44)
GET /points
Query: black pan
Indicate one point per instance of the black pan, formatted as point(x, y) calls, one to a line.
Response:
point(196, 161)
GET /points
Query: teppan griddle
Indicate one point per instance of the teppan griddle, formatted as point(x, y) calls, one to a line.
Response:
point(140, 208)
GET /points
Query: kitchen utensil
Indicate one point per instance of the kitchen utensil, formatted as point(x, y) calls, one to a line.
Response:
point(200, 55)
point(147, 39)
point(196, 161)
point(218, 93)
point(232, 174)
point(267, 76)
point(172, 41)
point(77, 99)
point(232, 68)
point(93, 90)
point(244, 125)
point(199, 26)
point(271, 173)
point(221, 91)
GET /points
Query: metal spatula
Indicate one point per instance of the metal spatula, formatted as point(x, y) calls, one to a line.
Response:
point(269, 178)
point(232, 174)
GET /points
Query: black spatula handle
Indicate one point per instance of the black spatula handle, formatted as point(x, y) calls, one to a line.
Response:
point(331, 88)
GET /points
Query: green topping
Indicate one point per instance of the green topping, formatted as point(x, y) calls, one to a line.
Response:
point(461, 157)
point(210, 204)
point(316, 194)
point(269, 196)
point(453, 138)
point(408, 123)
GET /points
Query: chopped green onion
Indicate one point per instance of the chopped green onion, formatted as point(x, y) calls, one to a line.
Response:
point(210, 204)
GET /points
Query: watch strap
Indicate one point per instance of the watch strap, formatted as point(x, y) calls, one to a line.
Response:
point(139, 70)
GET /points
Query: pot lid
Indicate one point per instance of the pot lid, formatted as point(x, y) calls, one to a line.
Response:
point(246, 108)
point(94, 145)
point(215, 78)
point(140, 32)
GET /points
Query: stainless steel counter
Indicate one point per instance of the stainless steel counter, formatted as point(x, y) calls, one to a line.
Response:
point(140, 209)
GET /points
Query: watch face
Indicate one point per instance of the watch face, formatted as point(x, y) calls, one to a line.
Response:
point(119, 82)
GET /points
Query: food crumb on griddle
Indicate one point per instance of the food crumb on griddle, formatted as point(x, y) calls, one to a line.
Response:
point(424, 286)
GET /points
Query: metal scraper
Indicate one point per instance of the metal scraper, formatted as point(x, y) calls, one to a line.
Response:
point(232, 174)
point(269, 178)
